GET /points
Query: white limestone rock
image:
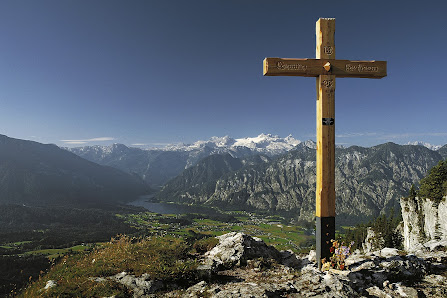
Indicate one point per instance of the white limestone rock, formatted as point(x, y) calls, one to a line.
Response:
point(50, 284)
point(141, 286)
point(312, 256)
point(373, 241)
point(375, 291)
point(234, 249)
point(389, 252)
point(424, 220)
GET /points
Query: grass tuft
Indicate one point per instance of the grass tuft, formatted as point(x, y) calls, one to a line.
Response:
point(162, 259)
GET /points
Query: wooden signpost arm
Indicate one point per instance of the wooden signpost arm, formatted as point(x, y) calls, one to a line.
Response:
point(315, 67)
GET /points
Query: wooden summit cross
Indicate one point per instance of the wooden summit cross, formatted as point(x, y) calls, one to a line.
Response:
point(325, 68)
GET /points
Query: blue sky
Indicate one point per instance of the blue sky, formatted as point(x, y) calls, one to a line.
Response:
point(159, 72)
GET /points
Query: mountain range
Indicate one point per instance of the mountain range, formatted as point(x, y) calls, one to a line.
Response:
point(264, 143)
point(368, 181)
point(36, 174)
point(266, 173)
point(274, 174)
point(158, 166)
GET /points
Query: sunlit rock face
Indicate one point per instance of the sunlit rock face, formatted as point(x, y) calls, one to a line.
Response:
point(424, 220)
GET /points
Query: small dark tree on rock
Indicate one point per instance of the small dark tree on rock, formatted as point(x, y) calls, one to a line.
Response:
point(412, 193)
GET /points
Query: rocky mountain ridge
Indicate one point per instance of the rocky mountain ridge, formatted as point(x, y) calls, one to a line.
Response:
point(368, 180)
point(443, 151)
point(157, 166)
point(200, 179)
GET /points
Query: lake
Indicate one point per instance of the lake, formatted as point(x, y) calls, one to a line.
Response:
point(170, 208)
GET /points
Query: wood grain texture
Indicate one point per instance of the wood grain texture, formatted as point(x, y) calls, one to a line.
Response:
point(325, 33)
point(325, 188)
point(315, 68)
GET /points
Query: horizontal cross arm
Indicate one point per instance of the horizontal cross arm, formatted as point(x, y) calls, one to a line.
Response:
point(317, 67)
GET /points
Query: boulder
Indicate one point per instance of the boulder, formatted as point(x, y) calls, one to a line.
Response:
point(234, 249)
point(312, 256)
point(436, 245)
point(389, 252)
point(373, 241)
point(141, 286)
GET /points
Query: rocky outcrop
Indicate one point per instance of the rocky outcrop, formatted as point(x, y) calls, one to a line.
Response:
point(384, 273)
point(235, 249)
point(373, 241)
point(140, 286)
point(423, 220)
point(247, 267)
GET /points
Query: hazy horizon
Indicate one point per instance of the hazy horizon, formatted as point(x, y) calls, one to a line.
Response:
point(111, 141)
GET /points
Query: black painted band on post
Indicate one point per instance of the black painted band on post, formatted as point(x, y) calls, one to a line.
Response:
point(325, 232)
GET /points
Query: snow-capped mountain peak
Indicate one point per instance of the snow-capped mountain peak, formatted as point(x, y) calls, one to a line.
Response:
point(268, 142)
point(263, 143)
point(428, 145)
point(225, 141)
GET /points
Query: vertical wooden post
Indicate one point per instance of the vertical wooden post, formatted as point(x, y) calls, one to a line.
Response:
point(325, 68)
point(325, 188)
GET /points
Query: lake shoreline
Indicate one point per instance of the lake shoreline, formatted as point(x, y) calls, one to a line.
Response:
point(160, 207)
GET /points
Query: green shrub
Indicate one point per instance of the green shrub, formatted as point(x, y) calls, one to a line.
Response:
point(412, 193)
point(383, 225)
point(434, 186)
point(203, 245)
point(162, 259)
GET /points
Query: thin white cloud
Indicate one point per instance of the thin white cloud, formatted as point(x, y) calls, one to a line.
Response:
point(74, 142)
point(138, 144)
point(356, 134)
point(100, 139)
point(80, 142)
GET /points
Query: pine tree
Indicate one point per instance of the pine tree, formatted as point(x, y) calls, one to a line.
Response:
point(434, 186)
point(413, 193)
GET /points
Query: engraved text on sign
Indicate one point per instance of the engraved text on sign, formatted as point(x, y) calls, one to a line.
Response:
point(317, 67)
point(361, 68)
point(281, 65)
